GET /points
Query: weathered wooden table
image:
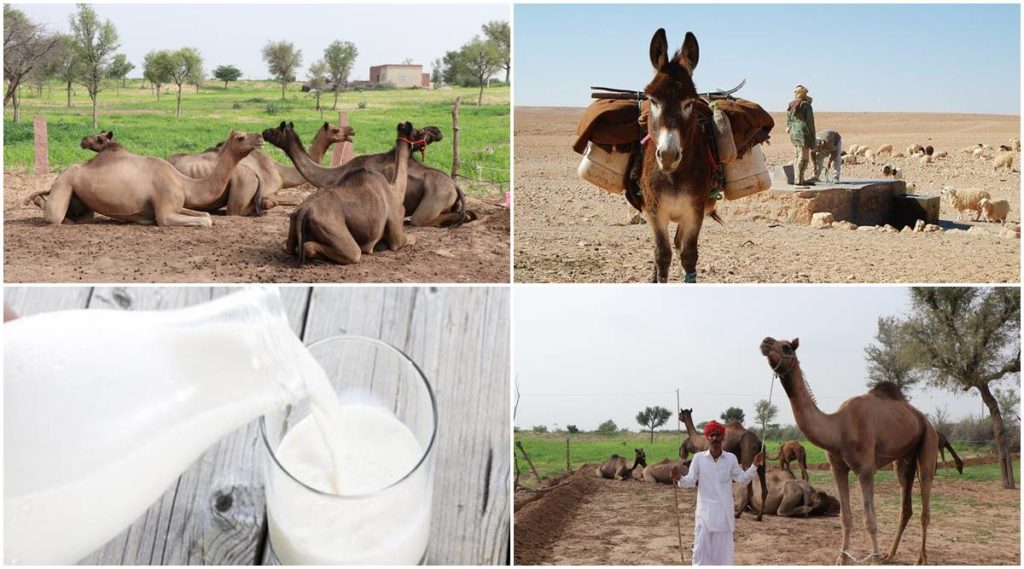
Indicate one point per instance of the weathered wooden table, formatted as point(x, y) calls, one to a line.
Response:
point(459, 336)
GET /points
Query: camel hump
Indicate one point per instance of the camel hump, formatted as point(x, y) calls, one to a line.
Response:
point(888, 390)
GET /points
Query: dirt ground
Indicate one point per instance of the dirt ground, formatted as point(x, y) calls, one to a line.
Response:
point(592, 521)
point(570, 231)
point(235, 249)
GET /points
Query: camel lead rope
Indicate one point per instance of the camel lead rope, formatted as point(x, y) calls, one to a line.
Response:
point(764, 423)
point(679, 530)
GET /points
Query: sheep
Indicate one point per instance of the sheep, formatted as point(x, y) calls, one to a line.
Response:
point(914, 149)
point(978, 152)
point(994, 211)
point(884, 149)
point(869, 155)
point(942, 154)
point(851, 149)
point(967, 199)
point(850, 159)
point(890, 171)
point(898, 155)
point(1004, 148)
point(1003, 160)
point(1015, 144)
point(929, 150)
point(926, 159)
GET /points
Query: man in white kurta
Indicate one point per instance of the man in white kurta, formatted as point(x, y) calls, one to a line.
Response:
point(714, 521)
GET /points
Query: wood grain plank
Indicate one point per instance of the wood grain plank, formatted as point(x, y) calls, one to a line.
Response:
point(27, 300)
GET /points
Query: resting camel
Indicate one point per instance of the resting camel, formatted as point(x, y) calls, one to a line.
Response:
point(341, 222)
point(866, 433)
point(77, 212)
point(615, 467)
point(790, 451)
point(661, 472)
point(143, 189)
point(790, 497)
point(739, 441)
point(259, 178)
point(943, 445)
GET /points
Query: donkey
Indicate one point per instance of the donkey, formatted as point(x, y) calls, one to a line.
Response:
point(678, 175)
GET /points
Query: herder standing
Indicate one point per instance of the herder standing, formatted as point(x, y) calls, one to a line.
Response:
point(800, 126)
point(714, 523)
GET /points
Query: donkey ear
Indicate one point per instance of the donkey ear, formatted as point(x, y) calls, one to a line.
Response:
point(689, 53)
point(795, 343)
point(659, 50)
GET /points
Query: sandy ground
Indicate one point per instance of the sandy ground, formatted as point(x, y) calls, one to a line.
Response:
point(235, 249)
point(570, 231)
point(592, 521)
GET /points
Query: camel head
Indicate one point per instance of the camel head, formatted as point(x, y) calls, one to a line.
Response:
point(685, 414)
point(641, 457)
point(824, 505)
point(778, 350)
point(282, 136)
point(337, 133)
point(242, 143)
point(98, 142)
point(429, 135)
point(405, 130)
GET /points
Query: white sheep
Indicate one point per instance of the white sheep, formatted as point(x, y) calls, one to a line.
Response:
point(967, 199)
point(926, 159)
point(994, 211)
point(869, 155)
point(852, 149)
point(914, 149)
point(1015, 144)
point(942, 154)
point(1004, 160)
point(898, 155)
point(970, 149)
point(978, 152)
point(850, 159)
point(884, 149)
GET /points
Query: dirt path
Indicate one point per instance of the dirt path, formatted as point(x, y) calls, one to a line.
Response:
point(570, 231)
point(628, 523)
point(235, 250)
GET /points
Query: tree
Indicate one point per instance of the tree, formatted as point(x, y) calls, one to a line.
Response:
point(95, 41)
point(340, 56)
point(573, 429)
point(500, 33)
point(156, 68)
point(282, 60)
point(540, 428)
point(65, 66)
point(765, 412)
point(317, 76)
point(119, 69)
point(481, 59)
point(453, 68)
point(608, 426)
point(732, 414)
point(940, 420)
point(227, 73)
point(888, 360)
point(963, 338)
point(436, 72)
point(26, 44)
point(185, 65)
point(652, 418)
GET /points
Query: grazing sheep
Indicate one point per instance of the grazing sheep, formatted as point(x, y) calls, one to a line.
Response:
point(926, 159)
point(914, 149)
point(1015, 144)
point(978, 152)
point(929, 150)
point(849, 159)
point(911, 188)
point(968, 199)
point(884, 149)
point(994, 211)
point(898, 155)
point(942, 154)
point(862, 150)
point(890, 171)
point(869, 155)
point(1004, 148)
point(970, 149)
point(1004, 160)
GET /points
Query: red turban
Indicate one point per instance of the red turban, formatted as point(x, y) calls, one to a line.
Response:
point(712, 427)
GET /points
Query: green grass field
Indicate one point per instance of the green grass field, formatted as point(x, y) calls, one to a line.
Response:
point(148, 127)
point(547, 452)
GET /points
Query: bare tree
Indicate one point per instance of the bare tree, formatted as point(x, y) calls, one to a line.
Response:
point(95, 42)
point(26, 44)
point(282, 60)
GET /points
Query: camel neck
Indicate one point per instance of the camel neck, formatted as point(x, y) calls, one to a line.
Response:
point(209, 189)
point(399, 183)
point(313, 173)
point(690, 429)
point(319, 147)
point(820, 428)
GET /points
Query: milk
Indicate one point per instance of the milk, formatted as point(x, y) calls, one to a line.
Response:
point(380, 518)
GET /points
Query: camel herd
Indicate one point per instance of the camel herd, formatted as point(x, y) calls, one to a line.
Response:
point(359, 207)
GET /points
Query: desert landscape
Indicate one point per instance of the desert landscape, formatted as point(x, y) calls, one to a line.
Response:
point(567, 230)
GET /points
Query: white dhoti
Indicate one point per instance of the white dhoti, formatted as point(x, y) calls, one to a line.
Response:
point(712, 547)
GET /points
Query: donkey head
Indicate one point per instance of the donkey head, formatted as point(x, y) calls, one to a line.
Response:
point(672, 95)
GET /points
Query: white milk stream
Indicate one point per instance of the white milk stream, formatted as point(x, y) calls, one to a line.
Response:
point(103, 410)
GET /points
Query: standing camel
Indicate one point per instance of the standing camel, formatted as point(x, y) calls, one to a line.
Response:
point(943, 445)
point(790, 451)
point(866, 433)
point(677, 175)
point(695, 441)
point(615, 467)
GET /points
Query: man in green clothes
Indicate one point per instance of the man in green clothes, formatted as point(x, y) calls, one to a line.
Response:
point(800, 126)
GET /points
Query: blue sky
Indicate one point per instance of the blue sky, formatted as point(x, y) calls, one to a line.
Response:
point(584, 354)
point(234, 34)
point(925, 58)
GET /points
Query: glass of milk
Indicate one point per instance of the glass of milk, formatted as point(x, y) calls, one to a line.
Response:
point(349, 471)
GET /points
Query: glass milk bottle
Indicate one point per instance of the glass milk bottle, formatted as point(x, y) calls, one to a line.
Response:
point(104, 409)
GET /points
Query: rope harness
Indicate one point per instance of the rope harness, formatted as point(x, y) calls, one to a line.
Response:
point(413, 143)
point(860, 561)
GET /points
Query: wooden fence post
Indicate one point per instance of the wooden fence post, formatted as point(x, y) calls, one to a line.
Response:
point(568, 466)
point(456, 163)
point(42, 158)
point(343, 150)
point(528, 461)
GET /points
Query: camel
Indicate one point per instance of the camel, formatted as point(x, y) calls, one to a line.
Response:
point(790, 497)
point(790, 451)
point(866, 433)
point(739, 441)
point(943, 445)
point(341, 222)
point(259, 178)
point(77, 212)
point(615, 467)
point(661, 472)
point(143, 189)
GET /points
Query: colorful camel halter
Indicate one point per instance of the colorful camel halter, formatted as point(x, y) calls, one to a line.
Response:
point(412, 144)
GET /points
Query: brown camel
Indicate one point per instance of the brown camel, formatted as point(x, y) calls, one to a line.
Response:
point(866, 433)
point(143, 189)
point(789, 497)
point(615, 467)
point(256, 182)
point(77, 212)
point(739, 441)
point(943, 445)
point(790, 451)
point(661, 472)
point(341, 222)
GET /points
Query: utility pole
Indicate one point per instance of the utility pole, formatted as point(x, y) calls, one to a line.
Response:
point(678, 427)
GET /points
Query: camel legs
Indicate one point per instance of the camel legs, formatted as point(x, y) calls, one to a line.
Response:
point(803, 469)
point(338, 246)
point(841, 476)
point(183, 216)
point(55, 204)
point(866, 479)
point(686, 239)
point(764, 490)
point(905, 471)
point(926, 466)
